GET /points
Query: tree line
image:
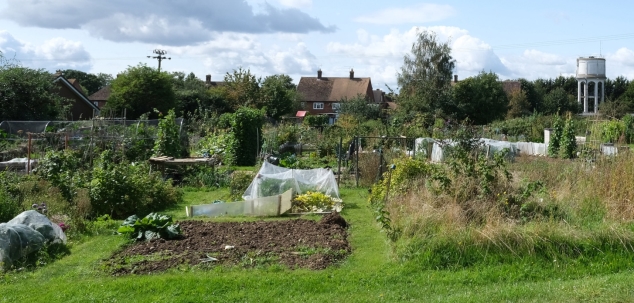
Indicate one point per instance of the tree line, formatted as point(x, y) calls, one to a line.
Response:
point(426, 87)
point(30, 94)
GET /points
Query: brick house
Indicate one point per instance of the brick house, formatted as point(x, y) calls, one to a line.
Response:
point(81, 107)
point(323, 95)
point(100, 97)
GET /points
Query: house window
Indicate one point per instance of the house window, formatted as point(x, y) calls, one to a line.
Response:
point(318, 105)
point(303, 105)
point(335, 106)
point(96, 103)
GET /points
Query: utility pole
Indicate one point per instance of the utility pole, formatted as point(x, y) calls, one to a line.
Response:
point(160, 57)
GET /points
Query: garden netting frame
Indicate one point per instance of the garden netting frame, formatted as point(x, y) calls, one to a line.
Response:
point(274, 180)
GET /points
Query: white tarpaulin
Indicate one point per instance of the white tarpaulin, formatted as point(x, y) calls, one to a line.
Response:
point(518, 148)
point(273, 180)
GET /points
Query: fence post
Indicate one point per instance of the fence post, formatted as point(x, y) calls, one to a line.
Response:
point(339, 161)
point(356, 166)
point(28, 156)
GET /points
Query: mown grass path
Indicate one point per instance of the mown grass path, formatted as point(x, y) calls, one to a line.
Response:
point(368, 275)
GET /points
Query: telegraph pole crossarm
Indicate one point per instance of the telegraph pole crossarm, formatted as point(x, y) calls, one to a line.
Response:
point(160, 57)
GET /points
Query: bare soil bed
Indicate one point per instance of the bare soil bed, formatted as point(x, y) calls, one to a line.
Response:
point(296, 243)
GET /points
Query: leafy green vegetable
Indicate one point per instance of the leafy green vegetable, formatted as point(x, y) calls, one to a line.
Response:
point(152, 226)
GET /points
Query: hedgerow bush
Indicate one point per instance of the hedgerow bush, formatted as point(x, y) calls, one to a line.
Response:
point(247, 129)
point(10, 196)
point(124, 189)
point(65, 170)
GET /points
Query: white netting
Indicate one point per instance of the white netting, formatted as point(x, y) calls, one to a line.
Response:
point(274, 180)
point(517, 148)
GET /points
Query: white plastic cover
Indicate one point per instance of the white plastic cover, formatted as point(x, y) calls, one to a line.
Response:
point(17, 241)
point(33, 219)
point(273, 180)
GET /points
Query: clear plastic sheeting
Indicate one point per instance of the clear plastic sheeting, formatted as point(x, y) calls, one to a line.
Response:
point(261, 207)
point(516, 148)
point(273, 180)
point(27, 233)
point(17, 241)
point(33, 219)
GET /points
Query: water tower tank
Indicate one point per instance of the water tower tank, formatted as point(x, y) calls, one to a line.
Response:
point(591, 67)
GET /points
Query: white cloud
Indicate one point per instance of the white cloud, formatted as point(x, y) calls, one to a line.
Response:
point(620, 63)
point(228, 51)
point(420, 13)
point(55, 53)
point(622, 56)
point(297, 3)
point(382, 57)
point(167, 22)
point(537, 57)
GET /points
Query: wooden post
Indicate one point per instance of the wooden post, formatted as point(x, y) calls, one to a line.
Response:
point(356, 167)
point(339, 161)
point(28, 157)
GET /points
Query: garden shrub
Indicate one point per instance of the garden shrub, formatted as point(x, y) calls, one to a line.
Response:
point(123, 189)
point(138, 144)
point(220, 146)
point(612, 130)
point(555, 137)
point(168, 140)
point(247, 128)
point(568, 143)
point(10, 196)
point(64, 169)
point(315, 120)
point(240, 181)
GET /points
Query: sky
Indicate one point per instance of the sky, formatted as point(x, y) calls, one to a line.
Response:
point(515, 39)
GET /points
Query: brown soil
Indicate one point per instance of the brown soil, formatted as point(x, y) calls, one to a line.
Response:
point(294, 243)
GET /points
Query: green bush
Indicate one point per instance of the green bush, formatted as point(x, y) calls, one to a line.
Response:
point(315, 120)
point(220, 146)
point(10, 196)
point(168, 141)
point(247, 128)
point(64, 169)
point(240, 181)
point(124, 189)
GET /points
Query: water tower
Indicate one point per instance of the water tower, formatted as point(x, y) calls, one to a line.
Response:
point(591, 81)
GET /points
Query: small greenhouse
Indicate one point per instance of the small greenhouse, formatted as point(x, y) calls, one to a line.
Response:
point(273, 180)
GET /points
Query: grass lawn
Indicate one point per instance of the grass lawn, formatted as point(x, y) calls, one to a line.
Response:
point(370, 274)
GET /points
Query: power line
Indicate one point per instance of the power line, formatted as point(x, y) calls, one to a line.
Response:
point(160, 57)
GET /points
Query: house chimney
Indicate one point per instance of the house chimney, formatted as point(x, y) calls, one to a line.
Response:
point(319, 74)
point(455, 78)
point(351, 73)
point(208, 79)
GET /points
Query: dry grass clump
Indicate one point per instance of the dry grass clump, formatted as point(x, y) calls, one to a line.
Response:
point(577, 209)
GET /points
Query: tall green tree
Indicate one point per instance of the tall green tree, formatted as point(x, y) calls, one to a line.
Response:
point(518, 104)
point(558, 100)
point(243, 89)
point(481, 99)
point(28, 94)
point(279, 94)
point(190, 92)
point(425, 77)
point(141, 89)
point(535, 98)
point(615, 88)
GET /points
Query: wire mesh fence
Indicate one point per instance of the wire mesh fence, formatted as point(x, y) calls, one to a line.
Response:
point(32, 139)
